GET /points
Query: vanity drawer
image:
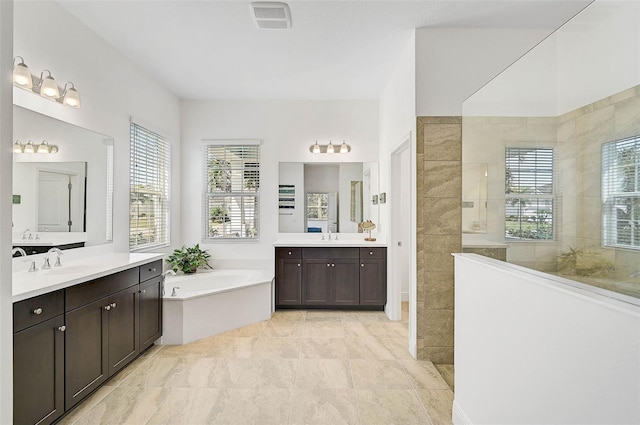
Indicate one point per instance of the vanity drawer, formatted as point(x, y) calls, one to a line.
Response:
point(84, 293)
point(151, 270)
point(282, 253)
point(36, 310)
point(377, 253)
point(330, 253)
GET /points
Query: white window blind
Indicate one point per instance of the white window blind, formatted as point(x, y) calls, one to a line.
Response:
point(621, 193)
point(232, 191)
point(529, 193)
point(149, 189)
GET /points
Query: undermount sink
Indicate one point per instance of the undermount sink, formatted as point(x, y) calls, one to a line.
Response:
point(71, 269)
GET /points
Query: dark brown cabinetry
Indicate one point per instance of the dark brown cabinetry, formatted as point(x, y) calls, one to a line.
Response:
point(69, 342)
point(38, 359)
point(331, 277)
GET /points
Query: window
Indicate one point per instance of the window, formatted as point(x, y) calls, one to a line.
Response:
point(317, 206)
point(231, 200)
point(529, 193)
point(149, 189)
point(621, 193)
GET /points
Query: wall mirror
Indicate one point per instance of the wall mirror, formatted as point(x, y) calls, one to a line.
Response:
point(65, 196)
point(321, 197)
point(474, 197)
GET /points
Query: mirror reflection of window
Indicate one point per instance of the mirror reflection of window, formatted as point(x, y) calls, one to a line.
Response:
point(317, 206)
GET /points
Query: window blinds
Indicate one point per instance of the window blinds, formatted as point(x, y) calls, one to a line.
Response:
point(149, 189)
point(621, 193)
point(231, 198)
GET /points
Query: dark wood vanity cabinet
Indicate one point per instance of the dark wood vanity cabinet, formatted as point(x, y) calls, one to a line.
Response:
point(38, 359)
point(69, 342)
point(331, 277)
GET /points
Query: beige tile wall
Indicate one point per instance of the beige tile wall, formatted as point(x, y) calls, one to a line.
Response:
point(439, 187)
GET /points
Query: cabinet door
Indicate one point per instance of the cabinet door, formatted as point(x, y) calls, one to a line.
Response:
point(373, 282)
point(289, 282)
point(38, 379)
point(124, 342)
point(150, 312)
point(316, 278)
point(345, 284)
point(86, 338)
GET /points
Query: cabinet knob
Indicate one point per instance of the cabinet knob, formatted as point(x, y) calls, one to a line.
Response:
point(362, 265)
point(298, 264)
point(370, 252)
point(328, 265)
point(143, 291)
point(333, 265)
point(152, 269)
point(62, 328)
point(289, 252)
point(113, 305)
point(107, 307)
point(37, 311)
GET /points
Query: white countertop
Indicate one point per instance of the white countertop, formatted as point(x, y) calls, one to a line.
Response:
point(30, 284)
point(315, 243)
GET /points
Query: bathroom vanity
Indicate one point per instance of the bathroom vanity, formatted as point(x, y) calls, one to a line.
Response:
point(336, 274)
point(76, 326)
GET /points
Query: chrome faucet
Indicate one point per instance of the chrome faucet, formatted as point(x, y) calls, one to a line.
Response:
point(46, 264)
point(164, 275)
point(174, 293)
point(24, 234)
point(19, 251)
point(329, 235)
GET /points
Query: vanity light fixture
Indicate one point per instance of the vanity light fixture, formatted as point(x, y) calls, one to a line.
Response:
point(29, 148)
point(45, 86)
point(17, 147)
point(43, 147)
point(330, 148)
point(21, 74)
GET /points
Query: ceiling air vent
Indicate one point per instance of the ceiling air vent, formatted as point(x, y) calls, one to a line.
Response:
point(271, 15)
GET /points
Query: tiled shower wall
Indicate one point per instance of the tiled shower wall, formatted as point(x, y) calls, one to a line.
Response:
point(439, 233)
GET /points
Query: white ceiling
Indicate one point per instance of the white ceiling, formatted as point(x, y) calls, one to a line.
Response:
point(334, 50)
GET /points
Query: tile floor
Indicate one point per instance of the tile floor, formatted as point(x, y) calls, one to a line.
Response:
point(300, 367)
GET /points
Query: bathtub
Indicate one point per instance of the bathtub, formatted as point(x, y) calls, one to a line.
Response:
point(214, 301)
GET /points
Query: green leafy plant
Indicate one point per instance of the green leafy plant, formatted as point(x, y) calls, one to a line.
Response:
point(189, 260)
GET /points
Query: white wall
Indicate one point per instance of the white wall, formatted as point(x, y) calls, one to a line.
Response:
point(531, 349)
point(453, 63)
point(111, 90)
point(6, 156)
point(287, 129)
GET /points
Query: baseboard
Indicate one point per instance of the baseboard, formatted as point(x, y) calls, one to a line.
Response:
point(458, 416)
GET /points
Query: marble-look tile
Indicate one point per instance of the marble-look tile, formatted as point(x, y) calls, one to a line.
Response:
point(423, 374)
point(254, 329)
point(231, 347)
point(289, 316)
point(377, 374)
point(364, 316)
point(256, 406)
point(443, 216)
point(323, 348)
point(125, 405)
point(442, 142)
point(447, 373)
point(439, 332)
point(442, 179)
point(152, 351)
point(189, 406)
point(396, 329)
point(124, 373)
point(283, 348)
point(321, 329)
point(157, 371)
point(322, 406)
point(384, 407)
point(441, 119)
point(283, 329)
point(87, 405)
point(267, 373)
point(324, 373)
point(438, 355)
point(195, 349)
point(400, 347)
point(439, 290)
point(442, 243)
point(438, 404)
point(437, 262)
point(323, 316)
point(207, 372)
point(370, 347)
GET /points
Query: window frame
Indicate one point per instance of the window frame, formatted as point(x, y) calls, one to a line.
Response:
point(532, 197)
point(250, 170)
point(162, 153)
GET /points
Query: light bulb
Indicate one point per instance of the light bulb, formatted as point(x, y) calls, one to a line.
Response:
point(48, 86)
point(71, 96)
point(330, 147)
point(17, 147)
point(21, 74)
point(344, 148)
point(43, 147)
point(29, 148)
point(316, 148)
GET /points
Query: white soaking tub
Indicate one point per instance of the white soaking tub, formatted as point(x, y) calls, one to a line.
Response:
point(213, 301)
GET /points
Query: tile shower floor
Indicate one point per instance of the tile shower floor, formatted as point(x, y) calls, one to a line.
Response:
point(300, 367)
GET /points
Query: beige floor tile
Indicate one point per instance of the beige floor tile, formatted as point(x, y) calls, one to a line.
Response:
point(195, 349)
point(400, 347)
point(190, 406)
point(157, 371)
point(390, 407)
point(123, 374)
point(370, 347)
point(250, 330)
point(323, 373)
point(283, 329)
point(363, 316)
point(87, 405)
point(320, 329)
point(323, 316)
point(231, 347)
point(423, 374)
point(446, 370)
point(377, 374)
point(438, 404)
point(323, 348)
point(285, 348)
point(125, 405)
point(396, 330)
point(256, 406)
point(152, 351)
point(324, 406)
point(267, 373)
point(289, 316)
point(207, 372)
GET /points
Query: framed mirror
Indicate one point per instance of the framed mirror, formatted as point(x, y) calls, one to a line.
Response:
point(65, 197)
point(321, 197)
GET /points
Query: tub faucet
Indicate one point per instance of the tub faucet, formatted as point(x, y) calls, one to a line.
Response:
point(164, 274)
point(24, 234)
point(174, 293)
point(19, 251)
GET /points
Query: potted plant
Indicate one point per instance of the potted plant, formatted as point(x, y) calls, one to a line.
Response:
point(188, 260)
